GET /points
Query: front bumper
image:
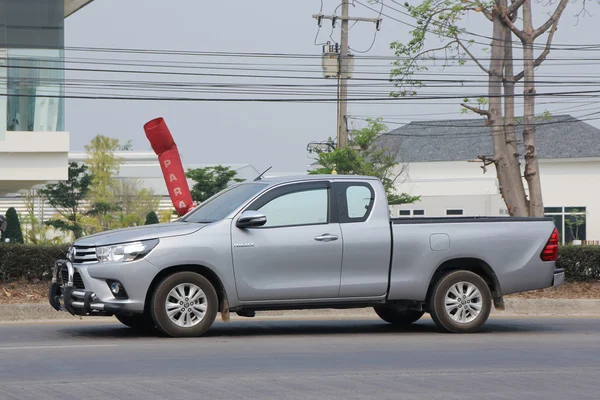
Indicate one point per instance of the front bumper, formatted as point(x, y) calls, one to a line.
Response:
point(64, 296)
point(559, 277)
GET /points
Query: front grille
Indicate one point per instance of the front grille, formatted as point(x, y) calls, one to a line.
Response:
point(77, 281)
point(84, 255)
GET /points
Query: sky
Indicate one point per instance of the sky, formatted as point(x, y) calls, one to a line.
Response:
point(268, 134)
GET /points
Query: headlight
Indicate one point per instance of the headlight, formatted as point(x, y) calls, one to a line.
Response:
point(126, 251)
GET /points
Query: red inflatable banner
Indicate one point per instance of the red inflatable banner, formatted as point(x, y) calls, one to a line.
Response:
point(164, 146)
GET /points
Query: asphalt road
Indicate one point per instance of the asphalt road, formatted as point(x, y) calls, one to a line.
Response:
point(513, 358)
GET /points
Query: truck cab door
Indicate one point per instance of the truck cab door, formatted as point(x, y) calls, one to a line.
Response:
point(365, 225)
point(297, 253)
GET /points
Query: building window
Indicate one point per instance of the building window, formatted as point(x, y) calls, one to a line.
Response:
point(570, 222)
point(454, 212)
point(35, 90)
point(411, 213)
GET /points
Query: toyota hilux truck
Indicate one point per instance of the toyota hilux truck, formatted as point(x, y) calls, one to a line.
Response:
point(316, 241)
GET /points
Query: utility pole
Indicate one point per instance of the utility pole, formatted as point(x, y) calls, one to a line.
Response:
point(343, 82)
point(343, 67)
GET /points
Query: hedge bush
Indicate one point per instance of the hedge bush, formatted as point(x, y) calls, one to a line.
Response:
point(581, 263)
point(24, 261)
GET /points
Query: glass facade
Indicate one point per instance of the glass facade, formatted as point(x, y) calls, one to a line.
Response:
point(35, 89)
point(32, 63)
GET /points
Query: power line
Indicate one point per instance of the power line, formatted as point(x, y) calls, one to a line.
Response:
point(537, 46)
point(179, 73)
point(316, 100)
point(374, 35)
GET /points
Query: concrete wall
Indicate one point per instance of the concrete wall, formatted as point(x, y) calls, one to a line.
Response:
point(574, 184)
point(472, 205)
point(31, 158)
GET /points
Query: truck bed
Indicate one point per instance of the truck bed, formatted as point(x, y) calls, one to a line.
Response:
point(456, 220)
point(508, 249)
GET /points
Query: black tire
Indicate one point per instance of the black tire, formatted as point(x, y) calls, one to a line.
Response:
point(158, 307)
point(444, 319)
point(139, 322)
point(394, 316)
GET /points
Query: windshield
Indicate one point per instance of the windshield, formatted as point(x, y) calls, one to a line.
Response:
point(222, 204)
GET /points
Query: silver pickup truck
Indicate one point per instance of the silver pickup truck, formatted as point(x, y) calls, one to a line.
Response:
point(315, 241)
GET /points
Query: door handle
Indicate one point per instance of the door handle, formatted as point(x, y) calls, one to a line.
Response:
point(326, 237)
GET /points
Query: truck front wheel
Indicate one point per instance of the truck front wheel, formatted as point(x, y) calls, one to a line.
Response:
point(184, 304)
point(394, 316)
point(460, 302)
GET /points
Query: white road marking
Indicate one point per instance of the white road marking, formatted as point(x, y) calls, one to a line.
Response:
point(57, 347)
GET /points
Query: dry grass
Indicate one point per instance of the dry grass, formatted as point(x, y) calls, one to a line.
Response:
point(37, 292)
point(569, 290)
point(24, 292)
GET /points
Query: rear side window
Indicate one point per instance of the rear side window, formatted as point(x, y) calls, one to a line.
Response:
point(355, 201)
point(359, 200)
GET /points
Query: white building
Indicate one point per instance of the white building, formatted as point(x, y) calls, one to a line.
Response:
point(34, 145)
point(437, 154)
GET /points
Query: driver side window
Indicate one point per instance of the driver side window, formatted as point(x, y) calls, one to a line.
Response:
point(307, 207)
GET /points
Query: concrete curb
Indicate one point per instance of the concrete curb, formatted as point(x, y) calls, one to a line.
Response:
point(533, 307)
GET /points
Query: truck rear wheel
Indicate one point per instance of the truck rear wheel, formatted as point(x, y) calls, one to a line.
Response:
point(184, 304)
point(461, 302)
point(394, 316)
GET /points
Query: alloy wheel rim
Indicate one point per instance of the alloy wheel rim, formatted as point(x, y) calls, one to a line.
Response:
point(463, 302)
point(186, 305)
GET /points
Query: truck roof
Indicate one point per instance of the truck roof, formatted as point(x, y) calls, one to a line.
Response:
point(296, 178)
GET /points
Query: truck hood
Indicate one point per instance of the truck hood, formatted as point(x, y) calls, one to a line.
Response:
point(145, 232)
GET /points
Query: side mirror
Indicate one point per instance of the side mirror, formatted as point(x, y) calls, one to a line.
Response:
point(250, 219)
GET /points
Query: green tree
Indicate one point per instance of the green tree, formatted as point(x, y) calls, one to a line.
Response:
point(129, 220)
point(13, 229)
point(34, 229)
point(210, 181)
point(574, 222)
point(67, 198)
point(447, 21)
point(151, 218)
point(128, 146)
point(369, 154)
point(135, 201)
point(104, 165)
point(102, 216)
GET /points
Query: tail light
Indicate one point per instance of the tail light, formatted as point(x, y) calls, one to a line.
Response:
point(550, 252)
